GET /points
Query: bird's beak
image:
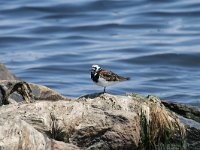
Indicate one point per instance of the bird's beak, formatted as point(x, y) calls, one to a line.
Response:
point(93, 70)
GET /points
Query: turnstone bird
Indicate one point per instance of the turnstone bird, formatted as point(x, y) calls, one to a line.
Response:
point(105, 78)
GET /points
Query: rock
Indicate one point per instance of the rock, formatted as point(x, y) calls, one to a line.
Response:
point(190, 117)
point(97, 121)
point(41, 92)
point(57, 145)
point(15, 90)
point(73, 122)
point(190, 112)
point(8, 88)
point(12, 90)
point(17, 134)
point(5, 74)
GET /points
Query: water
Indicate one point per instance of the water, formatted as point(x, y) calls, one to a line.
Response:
point(54, 43)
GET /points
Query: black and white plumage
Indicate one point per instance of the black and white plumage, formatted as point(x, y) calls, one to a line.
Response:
point(105, 78)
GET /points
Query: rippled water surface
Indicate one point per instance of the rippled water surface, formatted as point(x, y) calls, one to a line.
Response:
point(54, 43)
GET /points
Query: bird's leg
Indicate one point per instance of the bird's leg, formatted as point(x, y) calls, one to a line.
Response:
point(104, 90)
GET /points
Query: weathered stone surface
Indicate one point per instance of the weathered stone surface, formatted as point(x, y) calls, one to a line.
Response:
point(41, 92)
point(190, 117)
point(184, 110)
point(8, 81)
point(112, 126)
point(17, 134)
point(57, 145)
point(12, 91)
point(98, 121)
point(5, 74)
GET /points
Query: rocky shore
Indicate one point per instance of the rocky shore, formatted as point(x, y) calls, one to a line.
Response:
point(34, 117)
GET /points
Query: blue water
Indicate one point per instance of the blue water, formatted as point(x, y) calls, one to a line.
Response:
point(54, 43)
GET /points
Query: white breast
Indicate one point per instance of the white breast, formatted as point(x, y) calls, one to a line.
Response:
point(102, 82)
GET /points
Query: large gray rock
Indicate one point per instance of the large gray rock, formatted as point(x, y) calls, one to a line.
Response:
point(97, 121)
point(17, 134)
point(12, 91)
point(87, 123)
point(5, 74)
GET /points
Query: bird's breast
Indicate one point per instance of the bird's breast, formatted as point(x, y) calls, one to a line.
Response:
point(102, 82)
point(94, 77)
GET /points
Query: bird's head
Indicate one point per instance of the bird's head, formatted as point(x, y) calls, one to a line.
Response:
point(95, 69)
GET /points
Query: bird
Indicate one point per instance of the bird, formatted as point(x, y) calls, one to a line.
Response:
point(104, 78)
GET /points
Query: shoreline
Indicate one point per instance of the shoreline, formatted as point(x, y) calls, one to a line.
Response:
point(36, 117)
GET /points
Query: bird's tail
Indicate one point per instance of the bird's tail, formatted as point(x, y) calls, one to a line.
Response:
point(124, 78)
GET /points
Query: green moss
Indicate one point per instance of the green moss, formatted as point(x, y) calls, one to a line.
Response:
point(144, 132)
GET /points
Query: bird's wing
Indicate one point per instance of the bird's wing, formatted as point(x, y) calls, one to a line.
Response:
point(110, 76)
